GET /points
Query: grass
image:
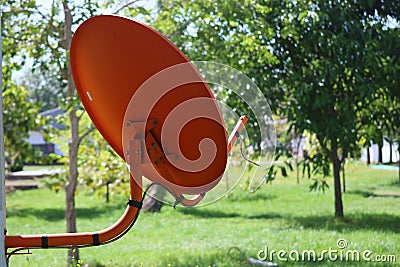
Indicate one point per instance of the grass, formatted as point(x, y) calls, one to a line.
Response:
point(281, 216)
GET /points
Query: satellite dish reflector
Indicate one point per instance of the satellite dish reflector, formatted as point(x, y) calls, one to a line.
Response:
point(136, 85)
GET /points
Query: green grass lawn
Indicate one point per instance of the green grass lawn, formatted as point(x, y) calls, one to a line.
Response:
point(281, 216)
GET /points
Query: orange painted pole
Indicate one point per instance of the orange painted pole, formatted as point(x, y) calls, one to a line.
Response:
point(89, 238)
point(236, 131)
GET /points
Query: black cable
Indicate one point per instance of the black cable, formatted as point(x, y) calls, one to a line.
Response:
point(243, 155)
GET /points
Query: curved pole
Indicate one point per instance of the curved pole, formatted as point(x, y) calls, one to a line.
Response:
point(88, 238)
point(126, 220)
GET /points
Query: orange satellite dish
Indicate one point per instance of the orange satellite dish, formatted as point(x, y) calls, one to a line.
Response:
point(154, 109)
point(111, 58)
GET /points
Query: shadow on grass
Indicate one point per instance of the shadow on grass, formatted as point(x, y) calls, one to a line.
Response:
point(395, 183)
point(380, 222)
point(246, 197)
point(58, 214)
point(207, 213)
point(374, 194)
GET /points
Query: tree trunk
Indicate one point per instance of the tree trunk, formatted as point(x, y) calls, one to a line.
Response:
point(368, 156)
point(153, 202)
point(108, 192)
point(390, 151)
point(70, 187)
point(336, 181)
point(380, 155)
point(344, 176)
point(72, 182)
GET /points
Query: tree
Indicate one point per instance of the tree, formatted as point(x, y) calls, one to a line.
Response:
point(20, 115)
point(328, 54)
point(319, 64)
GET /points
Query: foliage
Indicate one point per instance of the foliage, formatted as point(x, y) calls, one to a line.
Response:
point(15, 16)
point(55, 182)
point(20, 117)
point(314, 162)
point(100, 168)
point(133, 9)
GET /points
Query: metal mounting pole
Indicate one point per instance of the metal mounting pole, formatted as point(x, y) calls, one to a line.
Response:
point(2, 178)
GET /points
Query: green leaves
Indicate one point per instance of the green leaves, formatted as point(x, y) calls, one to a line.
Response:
point(19, 117)
point(308, 16)
point(319, 185)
